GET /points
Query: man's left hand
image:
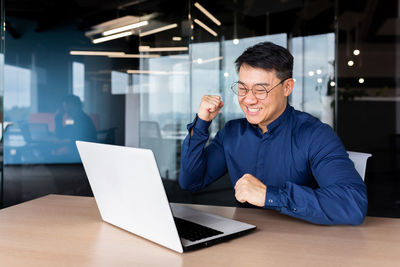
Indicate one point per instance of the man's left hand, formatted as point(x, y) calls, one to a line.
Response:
point(249, 189)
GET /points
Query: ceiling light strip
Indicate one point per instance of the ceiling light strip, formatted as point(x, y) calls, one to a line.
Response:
point(164, 28)
point(157, 72)
point(208, 60)
point(111, 37)
point(96, 53)
point(205, 27)
point(179, 56)
point(134, 56)
point(163, 49)
point(126, 28)
point(208, 14)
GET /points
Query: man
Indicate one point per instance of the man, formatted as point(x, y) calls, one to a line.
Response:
point(72, 124)
point(277, 157)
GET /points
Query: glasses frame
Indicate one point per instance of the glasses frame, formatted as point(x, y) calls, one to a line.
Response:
point(236, 92)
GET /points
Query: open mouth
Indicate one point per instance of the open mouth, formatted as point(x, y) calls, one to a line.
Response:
point(252, 111)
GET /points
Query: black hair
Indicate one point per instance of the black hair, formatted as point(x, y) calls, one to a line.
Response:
point(268, 56)
point(73, 101)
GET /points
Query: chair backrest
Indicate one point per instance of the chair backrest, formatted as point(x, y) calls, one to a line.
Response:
point(360, 161)
point(150, 129)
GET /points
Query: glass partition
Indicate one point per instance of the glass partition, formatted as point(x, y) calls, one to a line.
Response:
point(74, 81)
point(368, 96)
point(2, 124)
point(73, 76)
point(55, 93)
point(314, 71)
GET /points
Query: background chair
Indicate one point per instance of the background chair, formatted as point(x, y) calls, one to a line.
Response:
point(360, 161)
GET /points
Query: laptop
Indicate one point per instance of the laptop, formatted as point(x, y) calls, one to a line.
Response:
point(129, 193)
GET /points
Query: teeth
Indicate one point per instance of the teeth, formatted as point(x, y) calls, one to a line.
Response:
point(253, 109)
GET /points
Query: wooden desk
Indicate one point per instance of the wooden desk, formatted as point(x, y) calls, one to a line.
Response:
point(68, 231)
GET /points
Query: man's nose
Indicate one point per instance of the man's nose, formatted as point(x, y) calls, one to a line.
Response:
point(250, 98)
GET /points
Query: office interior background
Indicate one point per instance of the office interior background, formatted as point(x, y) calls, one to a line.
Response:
point(141, 86)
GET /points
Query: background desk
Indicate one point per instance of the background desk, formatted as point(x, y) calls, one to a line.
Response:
point(68, 231)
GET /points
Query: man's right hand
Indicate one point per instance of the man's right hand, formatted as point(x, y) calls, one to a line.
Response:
point(209, 107)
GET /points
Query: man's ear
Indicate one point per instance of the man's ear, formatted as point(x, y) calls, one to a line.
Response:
point(288, 86)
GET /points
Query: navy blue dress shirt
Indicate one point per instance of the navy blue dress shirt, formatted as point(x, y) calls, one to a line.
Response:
point(301, 160)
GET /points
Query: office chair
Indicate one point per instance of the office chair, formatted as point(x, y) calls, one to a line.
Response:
point(360, 161)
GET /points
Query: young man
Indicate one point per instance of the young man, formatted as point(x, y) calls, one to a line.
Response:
point(277, 157)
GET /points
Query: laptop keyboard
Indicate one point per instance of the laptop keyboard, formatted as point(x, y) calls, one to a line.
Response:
point(193, 231)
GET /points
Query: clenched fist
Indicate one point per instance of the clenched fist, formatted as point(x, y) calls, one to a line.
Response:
point(209, 107)
point(249, 189)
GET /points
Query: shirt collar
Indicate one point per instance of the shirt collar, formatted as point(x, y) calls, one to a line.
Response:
point(281, 119)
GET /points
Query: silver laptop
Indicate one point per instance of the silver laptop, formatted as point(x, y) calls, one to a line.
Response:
point(129, 193)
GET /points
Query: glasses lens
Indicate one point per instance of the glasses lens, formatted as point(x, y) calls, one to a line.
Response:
point(259, 91)
point(241, 89)
point(238, 89)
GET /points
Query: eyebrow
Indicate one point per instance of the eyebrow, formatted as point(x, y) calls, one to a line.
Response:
point(254, 84)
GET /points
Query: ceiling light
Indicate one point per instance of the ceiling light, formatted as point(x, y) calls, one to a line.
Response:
point(311, 73)
point(350, 63)
point(164, 28)
point(96, 53)
point(318, 71)
point(202, 61)
point(319, 80)
point(176, 38)
point(113, 24)
point(111, 37)
point(157, 72)
point(134, 56)
point(356, 52)
point(205, 27)
point(208, 14)
point(361, 80)
point(125, 28)
point(179, 57)
point(162, 49)
point(235, 41)
point(332, 83)
point(226, 74)
point(213, 59)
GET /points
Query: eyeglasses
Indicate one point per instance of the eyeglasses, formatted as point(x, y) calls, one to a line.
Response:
point(258, 90)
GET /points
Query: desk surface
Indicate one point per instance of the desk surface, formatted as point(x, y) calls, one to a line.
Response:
point(67, 231)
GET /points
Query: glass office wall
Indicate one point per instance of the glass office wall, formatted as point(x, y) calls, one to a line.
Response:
point(53, 97)
point(368, 91)
point(64, 81)
point(314, 71)
point(1, 97)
